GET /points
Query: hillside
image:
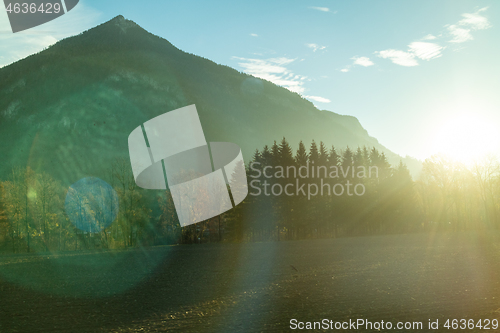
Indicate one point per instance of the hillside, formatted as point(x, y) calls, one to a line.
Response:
point(69, 109)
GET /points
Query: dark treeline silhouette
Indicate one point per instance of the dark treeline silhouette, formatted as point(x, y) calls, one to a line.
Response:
point(385, 202)
point(346, 193)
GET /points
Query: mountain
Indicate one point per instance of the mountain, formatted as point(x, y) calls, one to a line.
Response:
point(69, 109)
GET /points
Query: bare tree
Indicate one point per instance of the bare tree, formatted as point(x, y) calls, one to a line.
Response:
point(133, 214)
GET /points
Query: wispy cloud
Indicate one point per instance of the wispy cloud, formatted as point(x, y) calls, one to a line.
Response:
point(429, 37)
point(321, 9)
point(460, 35)
point(275, 71)
point(398, 57)
point(461, 32)
point(315, 47)
point(362, 61)
point(254, 35)
point(420, 50)
point(359, 61)
point(425, 50)
point(318, 99)
point(17, 46)
point(475, 21)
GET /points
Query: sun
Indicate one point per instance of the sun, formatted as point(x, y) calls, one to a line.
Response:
point(467, 138)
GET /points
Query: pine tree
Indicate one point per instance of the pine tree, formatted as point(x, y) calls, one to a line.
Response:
point(333, 157)
point(374, 156)
point(384, 167)
point(238, 182)
point(401, 173)
point(313, 153)
point(266, 156)
point(358, 158)
point(347, 163)
point(257, 156)
point(285, 153)
point(366, 156)
point(3, 216)
point(301, 156)
point(275, 154)
point(347, 158)
point(323, 154)
point(257, 163)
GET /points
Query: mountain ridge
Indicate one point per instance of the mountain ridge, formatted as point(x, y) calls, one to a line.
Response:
point(81, 97)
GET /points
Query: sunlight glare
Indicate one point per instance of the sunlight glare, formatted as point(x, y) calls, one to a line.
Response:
point(467, 138)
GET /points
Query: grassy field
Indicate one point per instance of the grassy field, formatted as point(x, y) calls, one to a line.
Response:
point(254, 287)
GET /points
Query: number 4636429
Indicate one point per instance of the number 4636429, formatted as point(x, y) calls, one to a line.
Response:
point(32, 8)
point(485, 324)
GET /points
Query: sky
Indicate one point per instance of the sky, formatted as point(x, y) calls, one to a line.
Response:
point(421, 76)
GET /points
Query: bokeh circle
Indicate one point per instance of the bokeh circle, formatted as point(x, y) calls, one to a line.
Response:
point(91, 204)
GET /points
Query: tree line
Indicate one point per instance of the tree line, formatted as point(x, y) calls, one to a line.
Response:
point(387, 203)
point(34, 214)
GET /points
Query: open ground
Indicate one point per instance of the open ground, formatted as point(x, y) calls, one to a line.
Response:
point(254, 287)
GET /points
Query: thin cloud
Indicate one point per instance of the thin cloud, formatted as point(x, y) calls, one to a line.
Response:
point(429, 37)
point(321, 9)
point(315, 47)
point(254, 35)
point(426, 51)
point(461, 32)
point(14, 47)
point(362, 61)
point(475, 21)
point(460, 35)
point(420, 50)
point(398, 57)
point(318, 99)
point(275, 71)
point(359, 61)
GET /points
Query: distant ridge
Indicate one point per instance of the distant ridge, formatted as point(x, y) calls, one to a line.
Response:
point(69, 109)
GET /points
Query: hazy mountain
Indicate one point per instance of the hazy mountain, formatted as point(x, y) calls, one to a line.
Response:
point(69, 109)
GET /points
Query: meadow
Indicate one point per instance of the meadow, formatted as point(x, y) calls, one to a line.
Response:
point(250, 287)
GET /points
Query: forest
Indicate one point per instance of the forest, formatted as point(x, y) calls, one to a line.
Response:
point(38, 214)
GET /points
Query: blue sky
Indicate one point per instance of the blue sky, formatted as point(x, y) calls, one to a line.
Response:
point(421, 76)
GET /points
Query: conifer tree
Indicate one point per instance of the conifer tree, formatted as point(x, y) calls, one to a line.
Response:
point(347, 159)
point(266, 156)
point(366, 156)
point(275, 154)
point(256, 163)
point(257, 156)
point(358, 158)
point(313, 153)
point(238, 184)
point(374, 156)
point(301, 156)
point(285, 153)
point(323, 154)
point(333, 157)
point(384, 166)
